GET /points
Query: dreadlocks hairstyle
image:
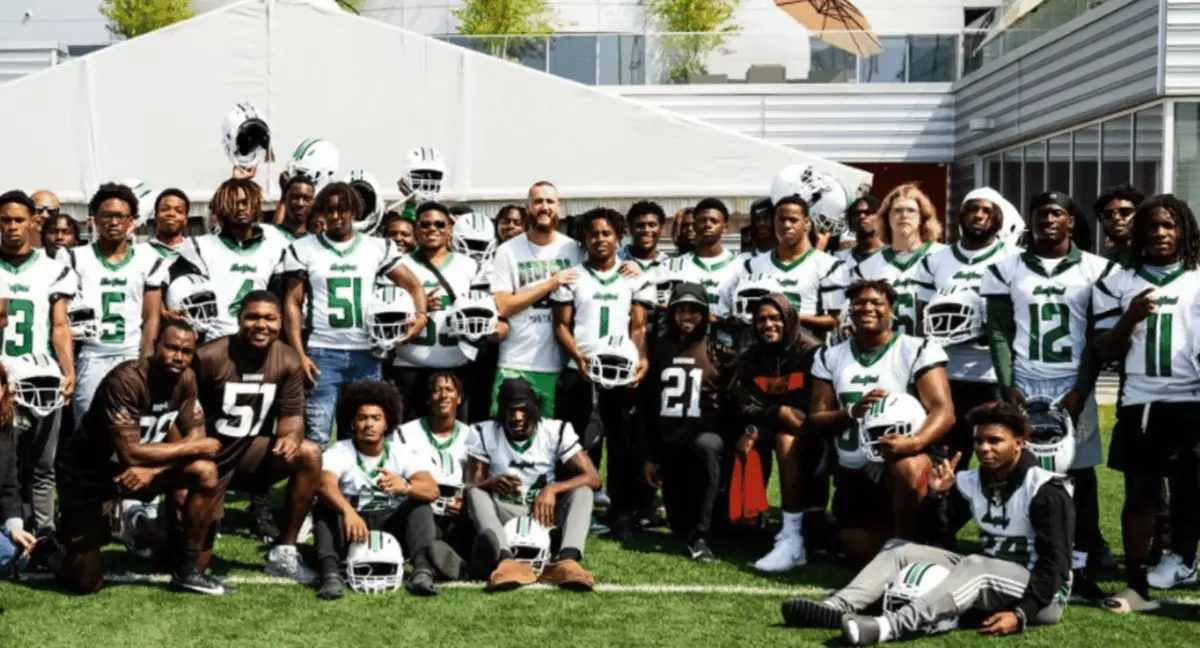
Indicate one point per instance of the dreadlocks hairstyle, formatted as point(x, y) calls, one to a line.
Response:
point(931, 227)
point(1189, 247)
point(348, 200)
point(584, 221)
point(1003, 414)
point(1118, 192)
point(368, 392)
point(110, 191)
point(878, 285)
point(644, 207)
point(53, 221)
point(224, 201)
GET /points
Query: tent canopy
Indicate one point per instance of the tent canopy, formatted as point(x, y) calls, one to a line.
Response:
point(151, 108)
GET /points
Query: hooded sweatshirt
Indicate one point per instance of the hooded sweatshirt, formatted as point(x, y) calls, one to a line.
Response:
point(773, 375)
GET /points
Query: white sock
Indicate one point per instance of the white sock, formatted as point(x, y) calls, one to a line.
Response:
point(885, 629)
point(792, 522)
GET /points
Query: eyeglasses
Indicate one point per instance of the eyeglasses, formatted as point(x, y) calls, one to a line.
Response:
point(439, 225)
point(46, 209)
point(1124, 212)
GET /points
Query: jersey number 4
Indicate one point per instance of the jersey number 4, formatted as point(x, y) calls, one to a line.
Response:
point(681, 386)
point(245, 419)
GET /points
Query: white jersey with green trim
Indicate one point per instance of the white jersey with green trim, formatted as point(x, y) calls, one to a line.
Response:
point(437, 346)
point(716, 274)
point(233, 270)
point(952, 269)
point(894, 368)
point(1160, 364)
point(449, 455)
point(519, 264)
point(603, 301)
point(358, 475)
point(339, 280)
point(119, 288)
point(31, 289)
point(800, 280)
point(168, 252)
point(1005, 529)
point(852, 257)
point(533, 460)
point(1051, 299)
point(899, 270)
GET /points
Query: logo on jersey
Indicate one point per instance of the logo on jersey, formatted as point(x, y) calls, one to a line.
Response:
point(788, 283)
point(997, 514)
point(606, 297)
point(864, 380)
point(109, 281)
point(19, 288)
point(243, 267)
point(967, 275)
point(343, 267)
point(1167, 301)
point(1049, 291)
point(252, 377)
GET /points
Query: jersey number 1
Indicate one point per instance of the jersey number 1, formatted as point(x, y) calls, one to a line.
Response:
point(1158, 345)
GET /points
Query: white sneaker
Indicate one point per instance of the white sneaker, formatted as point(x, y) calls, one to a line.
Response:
point(1171, 572)
point(284, 561)
point(787, 554)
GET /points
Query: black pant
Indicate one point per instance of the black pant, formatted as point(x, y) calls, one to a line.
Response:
point(1087, 510)
point(479, 381)
point(413, 384)
point(412, 524)
point(691, 480)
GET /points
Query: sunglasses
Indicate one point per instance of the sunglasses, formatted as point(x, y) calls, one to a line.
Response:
point(438, 225)
point(1124, 212)
point(46, 209)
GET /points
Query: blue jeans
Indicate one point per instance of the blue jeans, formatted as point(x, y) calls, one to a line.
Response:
point(338, 368)
point(8, 551)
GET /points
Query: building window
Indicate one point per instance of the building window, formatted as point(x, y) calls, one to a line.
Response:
point(932, 58)
point(573, 56)
point(1058, 163)
point(622, 59)
point(1010, 178)
point(1116, 165)
point(1087, 173)
point(1148, 149)
point(890, 65)
point(1035, 170)
point(1187, 151)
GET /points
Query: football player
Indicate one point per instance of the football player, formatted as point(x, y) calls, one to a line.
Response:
point(370, 484)
point(399, 230)
point(251, 386)
point(849, 379)
point(762, 229)
point(683, 231)
point(59, 232)
point(126, 281)
point(37, 288)
point(123, 450)
point(512, 467)
point(862, 216)
point(1144, 318)
point(645, 219)
point(528, 267)
point(1115, 209)
point(336, 271)
point(1025, 518)
point(711, 265)
point(689, 401)
point(298, 196)
point(587, 313)
point(15, 542)
point(171, 209)
point(445, 278)
point(46, 205)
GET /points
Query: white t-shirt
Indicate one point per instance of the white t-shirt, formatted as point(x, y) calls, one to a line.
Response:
point(437, 346)
point(519, 263)
point(533, 461)
point(357, 474)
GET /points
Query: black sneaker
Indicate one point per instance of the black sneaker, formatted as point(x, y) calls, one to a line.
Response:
point(332, 587)
point(698, 551)
point(198, 582)
point(805, 613)
point(1085, 586)
point(263, 525)
point(421, 583)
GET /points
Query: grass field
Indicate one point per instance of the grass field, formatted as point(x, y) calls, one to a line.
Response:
point(650, 596)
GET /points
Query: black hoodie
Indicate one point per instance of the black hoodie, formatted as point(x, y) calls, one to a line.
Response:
point(776, 374)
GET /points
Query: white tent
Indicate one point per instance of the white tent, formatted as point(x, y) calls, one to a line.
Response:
point(151, 108)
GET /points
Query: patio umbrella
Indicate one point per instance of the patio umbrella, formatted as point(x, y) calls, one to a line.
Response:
point(837, 22)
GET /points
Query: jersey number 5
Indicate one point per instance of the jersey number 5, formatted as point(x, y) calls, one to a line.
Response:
point(680, 385)
point(245, 419)
point(345, 312)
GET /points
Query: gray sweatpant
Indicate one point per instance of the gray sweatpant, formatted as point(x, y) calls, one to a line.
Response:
point(975, 582)
point(37, 446)
point(573, 514)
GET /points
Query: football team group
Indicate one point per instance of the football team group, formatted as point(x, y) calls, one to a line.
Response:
point(473, 370)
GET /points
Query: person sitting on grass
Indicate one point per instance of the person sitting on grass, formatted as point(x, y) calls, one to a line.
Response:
point(15, 542)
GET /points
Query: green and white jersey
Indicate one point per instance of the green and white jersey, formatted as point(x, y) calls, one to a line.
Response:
point(168, 252)
point(358, 475)
point(1005, 530)
point(894, 367)
point(717, 274)
point(852, 257)
point(1159, 366)
point(953, 269)
point(119, 289)
point(900, 270)
point(31, 289)
point(603, 302)
point(1051, 300)
point(448, 456)
point(800, 279)
point(339, 282)
point(437, 346)
point(233, 271)
point(519, 264)
point(533, 460)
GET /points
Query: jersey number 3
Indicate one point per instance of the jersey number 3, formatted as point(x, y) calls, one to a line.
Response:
point(245, 419)
point(681, 386)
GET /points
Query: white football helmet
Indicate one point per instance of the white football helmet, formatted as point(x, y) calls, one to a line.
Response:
point(245, 136)
point(36, 382)
point(614, 362)
point(316, 160)
point(388, 316)
point(845, 322)
point(529, 542)
point(375, 566)
point(193, 295)
point(913, 582)
point(475, 317)
point(475, 236)
point(84, 316)
point(368, 187)
point(1052, 439)
point(896, 413)
point(750, 290)
point(145, 196)
point(827, 199)
point(955, 317)
point(424, 172)
point(668, 278)
point(1012, 227)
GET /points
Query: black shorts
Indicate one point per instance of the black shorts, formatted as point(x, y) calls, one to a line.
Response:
point(90, 517)
point(1147, 443)
point(860, 501)
point(245, 466)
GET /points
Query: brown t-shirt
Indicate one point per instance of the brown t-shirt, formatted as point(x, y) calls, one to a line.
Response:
point(244, 391)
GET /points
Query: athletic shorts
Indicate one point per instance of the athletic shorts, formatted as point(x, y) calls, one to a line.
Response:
point(89, 522)
point(245, 466)
point(543, 384)
point(861, 500)
point(1148, 438)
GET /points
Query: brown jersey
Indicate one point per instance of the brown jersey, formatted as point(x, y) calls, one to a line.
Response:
point(244, 391)
point(689, 391)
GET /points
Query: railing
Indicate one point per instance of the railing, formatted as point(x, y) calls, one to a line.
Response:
point(1026, 20)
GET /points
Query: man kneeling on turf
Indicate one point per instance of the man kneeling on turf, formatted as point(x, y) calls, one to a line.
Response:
point(1026, 521)
point(511, 468)
point(369, 484)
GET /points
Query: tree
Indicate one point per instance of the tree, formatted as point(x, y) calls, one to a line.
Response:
point(131, 18)
point(498, 21)
point(692, 29)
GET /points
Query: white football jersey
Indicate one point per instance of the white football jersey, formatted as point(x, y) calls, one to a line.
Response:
point(518, 264)
point(339, 280)
point(603, 301)
point(1005, 530)
point(448, 456)
point(168, 252)
point(437, 346)
point(902, 275)
point(121, 288)
point(800, 280)
point(533, 461)
point(1050, 309)
point(952, 269)
point(31, 289)
point(357, 475)
point(895, 367)
point(717, 274)
point(233, 270)
point(852, 257)
point(1159, 366)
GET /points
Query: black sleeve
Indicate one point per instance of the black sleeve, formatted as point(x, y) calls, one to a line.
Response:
point(10, 486)
point(750, 403)
point(1052, 516)
point(945, 514)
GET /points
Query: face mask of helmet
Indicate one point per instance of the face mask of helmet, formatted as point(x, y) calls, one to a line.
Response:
point(254, 135)
point(425, 183)
point(747, 299)
point(473, 322)
point(610, 370)
point(85, 324)
point(370, 200)
point(446, 497)
point(955, 318)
